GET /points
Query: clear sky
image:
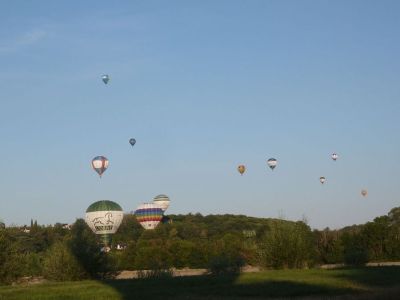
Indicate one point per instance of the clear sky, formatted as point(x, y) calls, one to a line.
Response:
point(202, 86)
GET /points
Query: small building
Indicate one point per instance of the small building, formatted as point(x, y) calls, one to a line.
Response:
point(66, 226)
point(120, 247)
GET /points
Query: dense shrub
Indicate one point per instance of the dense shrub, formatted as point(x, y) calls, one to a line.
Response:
point(287, 245)
point(355, 251)
point(156, 273)
point(60, 264)
point(10, 266)
point(221, 264)
point(87, 250)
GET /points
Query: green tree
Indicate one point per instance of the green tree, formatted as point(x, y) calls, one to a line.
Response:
point(287, 245)
point(61, 265)
point(84, 246)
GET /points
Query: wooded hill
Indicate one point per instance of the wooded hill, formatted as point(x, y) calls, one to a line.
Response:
point(222, 243)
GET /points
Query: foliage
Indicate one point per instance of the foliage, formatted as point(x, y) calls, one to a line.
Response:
point(156, 274)
point(87, 251)
point(10, 269)
point(287, 245)
point(221, 243)
point(354, 251)
point(60, 264)
point(329, 246)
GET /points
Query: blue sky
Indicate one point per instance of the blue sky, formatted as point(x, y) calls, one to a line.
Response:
point(202, 86)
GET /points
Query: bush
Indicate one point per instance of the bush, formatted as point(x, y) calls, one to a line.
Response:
point(10, 264)
point(156, 273)
point(32, 264)
point(60, 264)
point(355, 250)
point(356, 256)
point(86, 250)
point(287, 245)
point(223, 265)
point(152, 254)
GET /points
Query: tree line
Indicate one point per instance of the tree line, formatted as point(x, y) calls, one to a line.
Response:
point(220, 243)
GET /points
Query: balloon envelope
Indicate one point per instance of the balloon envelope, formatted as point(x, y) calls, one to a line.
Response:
point(272, 162)
point(162, 201)
point(149, 215)
point(104, 218)
point(241, 169)
point(322, 179)
point(334, 156)
point(132, 142)
point(105, 78)
point(100, 164)
point(364, 192)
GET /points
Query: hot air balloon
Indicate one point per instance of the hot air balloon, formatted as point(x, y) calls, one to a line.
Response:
point(105, 78)
point(322, 179)
point(272, 163)
point(149, 215)
point(100, 164)
point(162, 201)
point(241, 169)
point(132, 142)
point(334, 156)
point(364, 192)
point(104, 218)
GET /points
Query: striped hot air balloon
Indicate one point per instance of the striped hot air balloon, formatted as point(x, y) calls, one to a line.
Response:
point(162, 201)
point(272, 162)
point(104, 218)
point(100, 164)
point(149, 215)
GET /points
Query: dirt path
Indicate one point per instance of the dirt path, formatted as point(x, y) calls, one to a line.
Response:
point(181, 272)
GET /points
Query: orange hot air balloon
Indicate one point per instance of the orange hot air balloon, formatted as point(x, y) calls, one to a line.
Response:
point(241, 169)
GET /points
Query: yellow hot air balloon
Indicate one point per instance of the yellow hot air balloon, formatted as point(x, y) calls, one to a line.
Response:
point(241, 169)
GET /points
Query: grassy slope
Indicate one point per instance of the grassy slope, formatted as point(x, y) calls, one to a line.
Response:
point(282, 283)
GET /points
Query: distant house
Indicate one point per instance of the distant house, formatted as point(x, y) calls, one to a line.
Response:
point(105, 249)
point(249, 233)
point(120, 247)
point(66, 226)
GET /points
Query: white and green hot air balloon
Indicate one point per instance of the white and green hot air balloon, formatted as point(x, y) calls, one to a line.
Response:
point(104, 218)
point(162, 201)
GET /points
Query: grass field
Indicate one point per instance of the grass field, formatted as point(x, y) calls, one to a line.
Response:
point(360, 283)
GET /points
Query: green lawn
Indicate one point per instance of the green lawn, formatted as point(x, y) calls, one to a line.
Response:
point(361, 283)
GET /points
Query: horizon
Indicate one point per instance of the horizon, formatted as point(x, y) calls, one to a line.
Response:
point(195, 213)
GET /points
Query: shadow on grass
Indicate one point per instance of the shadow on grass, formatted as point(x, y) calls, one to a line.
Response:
point(371, 276)
point(224, 287)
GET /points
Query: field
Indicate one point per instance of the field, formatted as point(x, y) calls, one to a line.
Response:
point(355, 283)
